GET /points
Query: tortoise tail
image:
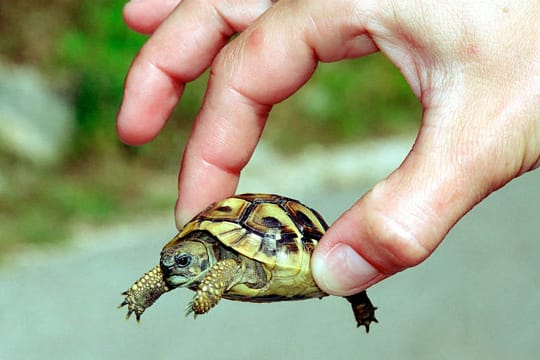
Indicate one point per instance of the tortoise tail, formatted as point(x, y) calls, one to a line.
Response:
point(363, 309)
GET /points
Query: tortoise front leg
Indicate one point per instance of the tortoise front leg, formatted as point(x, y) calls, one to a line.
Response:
point(144, 292)
point(221, 277)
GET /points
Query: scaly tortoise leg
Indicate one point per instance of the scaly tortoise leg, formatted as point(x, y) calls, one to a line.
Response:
point(144, 292)
point(219, 279)
point(363, 309)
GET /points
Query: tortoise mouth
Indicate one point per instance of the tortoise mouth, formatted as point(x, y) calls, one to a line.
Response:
point(174, 281)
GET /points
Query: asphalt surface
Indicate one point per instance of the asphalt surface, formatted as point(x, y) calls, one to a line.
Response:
point(477, 297)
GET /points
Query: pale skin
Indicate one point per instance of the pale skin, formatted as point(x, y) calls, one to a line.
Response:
point(474, 66)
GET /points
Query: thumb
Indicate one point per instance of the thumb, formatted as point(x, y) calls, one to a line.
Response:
point(401, 221)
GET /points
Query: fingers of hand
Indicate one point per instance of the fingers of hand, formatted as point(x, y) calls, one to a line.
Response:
point(181, 48)
point(467, 148)
point(267, 63)
point(144, 16)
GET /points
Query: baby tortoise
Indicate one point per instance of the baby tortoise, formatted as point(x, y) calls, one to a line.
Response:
point(250, 247)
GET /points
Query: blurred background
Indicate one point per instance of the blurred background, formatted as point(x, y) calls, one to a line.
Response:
point(62, 69)
point(83, 215)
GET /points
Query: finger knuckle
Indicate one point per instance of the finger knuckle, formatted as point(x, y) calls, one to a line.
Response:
point(395, 246)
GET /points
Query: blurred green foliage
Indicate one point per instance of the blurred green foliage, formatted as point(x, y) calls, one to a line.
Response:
point(97, 51)
point(348, 101)
point(85, 49)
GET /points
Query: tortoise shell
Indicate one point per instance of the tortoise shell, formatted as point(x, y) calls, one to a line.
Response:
point(277, 231)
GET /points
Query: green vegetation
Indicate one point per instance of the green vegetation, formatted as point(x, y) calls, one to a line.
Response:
point(346, 102)
point(85, 49)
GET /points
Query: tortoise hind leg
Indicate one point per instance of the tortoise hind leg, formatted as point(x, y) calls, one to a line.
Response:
point(221, 277)
point(363, 309)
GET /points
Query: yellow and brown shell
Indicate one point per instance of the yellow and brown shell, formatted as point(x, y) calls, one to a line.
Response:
point(277, 231)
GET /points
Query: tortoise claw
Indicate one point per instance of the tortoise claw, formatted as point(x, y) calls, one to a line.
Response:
point(367, 322)
point(189, 310)
point(363, 309)
point(131, 309)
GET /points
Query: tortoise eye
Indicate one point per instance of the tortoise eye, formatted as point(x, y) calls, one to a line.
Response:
point(182, 260)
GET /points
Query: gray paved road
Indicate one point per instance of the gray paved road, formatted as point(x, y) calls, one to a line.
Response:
point(478, 297)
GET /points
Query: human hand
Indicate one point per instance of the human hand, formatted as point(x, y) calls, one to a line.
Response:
point(474, 65)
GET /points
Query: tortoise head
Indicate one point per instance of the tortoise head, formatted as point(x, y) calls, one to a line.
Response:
point(184, 261)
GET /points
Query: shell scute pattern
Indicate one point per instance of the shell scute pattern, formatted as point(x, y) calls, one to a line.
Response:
point(230, 209)
point(272, 229)
point(310, 222)
point(269, 218)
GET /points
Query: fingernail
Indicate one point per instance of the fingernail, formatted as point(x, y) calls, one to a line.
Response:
point(342, 271)
point(181, 219)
